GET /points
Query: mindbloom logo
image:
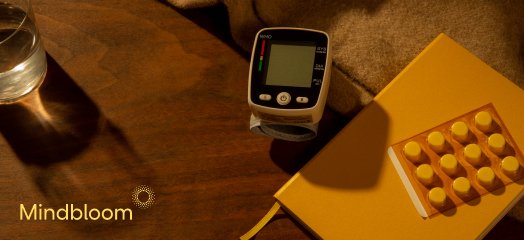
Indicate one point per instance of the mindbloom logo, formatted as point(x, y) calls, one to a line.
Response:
point(150, 197)
point(71, 212)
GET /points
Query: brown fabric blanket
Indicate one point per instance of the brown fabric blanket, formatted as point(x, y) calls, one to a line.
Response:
point(373, 40)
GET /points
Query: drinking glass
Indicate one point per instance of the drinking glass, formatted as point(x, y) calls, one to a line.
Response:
point(22, 56)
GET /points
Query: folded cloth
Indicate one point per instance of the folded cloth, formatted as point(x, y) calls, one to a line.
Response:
point(373, 40)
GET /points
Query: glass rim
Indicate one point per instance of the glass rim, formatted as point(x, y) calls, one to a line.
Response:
point(27, 10)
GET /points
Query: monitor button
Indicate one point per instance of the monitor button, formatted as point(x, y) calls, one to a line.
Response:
point(302, 99)
point(264, 97)
point(283, 98)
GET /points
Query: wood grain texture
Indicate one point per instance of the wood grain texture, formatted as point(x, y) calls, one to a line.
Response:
point(138, 94)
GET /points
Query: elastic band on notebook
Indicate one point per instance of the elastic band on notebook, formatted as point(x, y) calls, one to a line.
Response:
point(262, 223)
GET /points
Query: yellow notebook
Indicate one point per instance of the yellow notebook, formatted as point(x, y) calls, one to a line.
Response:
point(351, 189)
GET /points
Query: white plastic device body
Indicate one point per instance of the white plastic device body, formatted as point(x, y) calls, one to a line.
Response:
point(289, 78)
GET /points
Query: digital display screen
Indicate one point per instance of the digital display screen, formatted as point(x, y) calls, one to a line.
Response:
point(290, 65)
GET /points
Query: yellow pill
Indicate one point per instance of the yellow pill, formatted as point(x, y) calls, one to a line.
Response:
point(436, 141)
point(483, 121)
point(437, 197)
point(412, 151)
point(486, 176)
point(448, 164)
point(461, 186)
point(460, 131)
point(473, 154)
point(496, 143)
point(425, 174)
point(510, 165)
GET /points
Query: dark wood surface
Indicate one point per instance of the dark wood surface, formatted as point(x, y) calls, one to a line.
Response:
point(135, 94)
point(138, 94)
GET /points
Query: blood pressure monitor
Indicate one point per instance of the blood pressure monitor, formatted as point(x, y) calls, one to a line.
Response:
point(288, 82)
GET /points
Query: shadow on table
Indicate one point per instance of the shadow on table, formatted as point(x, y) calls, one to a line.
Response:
point(52, 124)
point(283, 216)
point(215, 20)
point(353, 158)
point(73, 153)
point(292, 156)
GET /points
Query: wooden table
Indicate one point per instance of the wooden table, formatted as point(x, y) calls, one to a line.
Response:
point(137, 94)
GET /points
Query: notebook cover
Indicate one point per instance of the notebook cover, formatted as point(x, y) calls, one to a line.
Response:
point(351, 189)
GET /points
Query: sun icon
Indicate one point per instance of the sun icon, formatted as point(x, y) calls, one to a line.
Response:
point(150, 197)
